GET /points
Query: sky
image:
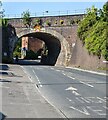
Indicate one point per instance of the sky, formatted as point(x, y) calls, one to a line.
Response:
point(15, 9)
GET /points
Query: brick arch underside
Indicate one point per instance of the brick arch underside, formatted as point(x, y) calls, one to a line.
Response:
point(57, 45)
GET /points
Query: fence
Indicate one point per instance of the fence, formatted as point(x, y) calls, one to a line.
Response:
point(48, 13)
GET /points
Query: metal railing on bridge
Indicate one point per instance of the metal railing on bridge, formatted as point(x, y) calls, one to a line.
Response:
point(48, 13)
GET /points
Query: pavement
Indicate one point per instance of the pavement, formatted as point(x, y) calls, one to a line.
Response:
point(20, 97)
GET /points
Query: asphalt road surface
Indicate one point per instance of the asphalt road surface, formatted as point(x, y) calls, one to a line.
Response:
point(75, 93)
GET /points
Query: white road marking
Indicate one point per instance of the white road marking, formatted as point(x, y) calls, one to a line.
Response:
point(98, 73)
point(83, 110)
point(71, 77)
point(58, 70)
point(71, 88)
point(86, 84)
point(68, 76)
point(27, 74)
point(97, 109)
point(101, 99)
point(37, 78)
point(76, 93)
point(70, 100)
point(105, 107)
point(64, 74)
point(52, 68)
point(80, 100)
point(84, 99)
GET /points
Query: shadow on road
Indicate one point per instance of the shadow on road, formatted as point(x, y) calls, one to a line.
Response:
point(30, 62)
point(3, 80)
point(4, 67)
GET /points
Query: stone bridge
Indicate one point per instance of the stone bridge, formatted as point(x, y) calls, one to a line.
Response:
point(58, 32)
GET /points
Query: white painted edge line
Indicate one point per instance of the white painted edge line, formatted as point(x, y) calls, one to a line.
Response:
point(26, 74)
point(94, 72)
point(37, 78)
point(59, 112)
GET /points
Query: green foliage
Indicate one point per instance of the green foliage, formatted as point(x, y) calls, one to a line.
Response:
point(17, 50)
point(26, 18)
point(93, 29)
point(105, 12)
point(48, 22)
point(3, 22)
point(38, 21)
point(77, 20)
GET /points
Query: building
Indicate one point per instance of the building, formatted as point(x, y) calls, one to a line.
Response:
point(30, 43)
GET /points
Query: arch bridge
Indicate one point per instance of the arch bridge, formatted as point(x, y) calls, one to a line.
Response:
point(59, 38)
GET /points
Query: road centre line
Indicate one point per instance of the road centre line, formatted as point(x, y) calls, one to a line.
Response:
point(68, 76)
point(52, 68)
point(58, 70)
point(71, 77)
point(86, 84)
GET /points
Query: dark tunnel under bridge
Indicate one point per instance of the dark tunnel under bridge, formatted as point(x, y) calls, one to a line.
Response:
point(58, 47)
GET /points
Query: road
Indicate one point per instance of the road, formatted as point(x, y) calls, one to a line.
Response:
point(75, 93)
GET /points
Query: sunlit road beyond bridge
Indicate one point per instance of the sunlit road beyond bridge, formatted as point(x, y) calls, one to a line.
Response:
point(75, 93)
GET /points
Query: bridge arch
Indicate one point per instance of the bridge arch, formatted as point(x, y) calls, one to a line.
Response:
point(59, 52)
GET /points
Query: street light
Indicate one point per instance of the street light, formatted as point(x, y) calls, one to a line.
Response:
point(45, 12)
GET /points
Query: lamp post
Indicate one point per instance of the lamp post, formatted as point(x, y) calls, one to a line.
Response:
point(45, 12)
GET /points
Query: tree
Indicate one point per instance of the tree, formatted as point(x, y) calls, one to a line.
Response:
point(1, 10)
point(93, 29)
point(26, 18)
point(105, 12)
